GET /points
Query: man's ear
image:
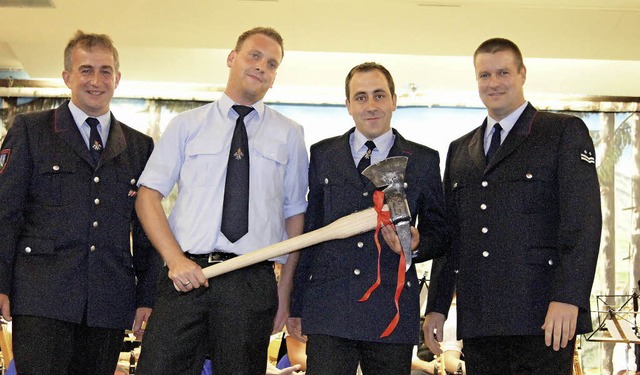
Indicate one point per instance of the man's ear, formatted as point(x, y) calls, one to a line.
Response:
point(230, 58)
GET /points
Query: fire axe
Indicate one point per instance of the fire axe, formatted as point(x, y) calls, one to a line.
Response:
point(388, 173)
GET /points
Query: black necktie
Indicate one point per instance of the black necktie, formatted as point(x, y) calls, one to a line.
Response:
point(366, 160)
point(495, 143)
point(95, 141)
point(235, 208)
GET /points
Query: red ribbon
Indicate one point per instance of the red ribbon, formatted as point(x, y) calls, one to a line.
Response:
point(384, 218)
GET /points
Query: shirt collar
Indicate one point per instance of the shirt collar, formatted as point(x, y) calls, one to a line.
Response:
point(383, 142)
point(225, 103)
point(508, 122)
point(80, 117)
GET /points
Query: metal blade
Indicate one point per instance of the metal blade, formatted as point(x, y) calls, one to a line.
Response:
point(404, 233)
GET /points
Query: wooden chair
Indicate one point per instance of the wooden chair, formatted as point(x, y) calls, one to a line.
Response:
point(6, 344)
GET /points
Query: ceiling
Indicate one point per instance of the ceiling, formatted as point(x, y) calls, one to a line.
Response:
point(580, 48)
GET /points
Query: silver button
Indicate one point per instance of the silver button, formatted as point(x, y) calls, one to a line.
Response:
point(366, 193)
point(96, 179)
point(310, 277)
point(485, 230)
point(483, 207)
point(485, 254)
point(27, 249)
point(456, 271)
point(133, 181)
point(96, 201)
point(93, 248)
point(551, 262)
point(356, 271)
point(95, 224)
point(529, 176)
point(56, 167)
point(326, 181)
point(409, 284)
point(360, 245)
point(406, 185)
point(455, 184)
point(485, 184)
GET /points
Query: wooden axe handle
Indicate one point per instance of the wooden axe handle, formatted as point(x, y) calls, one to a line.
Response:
point(356, 223)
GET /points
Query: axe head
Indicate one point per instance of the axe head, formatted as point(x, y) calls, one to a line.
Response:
point(389, 173)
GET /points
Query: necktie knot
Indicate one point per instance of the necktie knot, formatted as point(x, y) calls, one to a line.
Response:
point(92, 122)
point(242, 110)
point(370, 146)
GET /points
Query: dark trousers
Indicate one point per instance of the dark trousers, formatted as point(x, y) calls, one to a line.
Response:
point(516, 355)
point(43, 346)
point(231, 320)
point(330, 355)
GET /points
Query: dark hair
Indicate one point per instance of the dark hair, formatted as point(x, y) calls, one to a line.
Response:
point(494, 45)
point(266, 31)
point(87, 42)
point(366, 67)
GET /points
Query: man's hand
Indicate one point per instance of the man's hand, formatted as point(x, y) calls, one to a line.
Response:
point(139, 323)
point(5, 310)
point(560, 324)
point(432, 329)
point(186, 274)
point(294, 328)
point(391, 238)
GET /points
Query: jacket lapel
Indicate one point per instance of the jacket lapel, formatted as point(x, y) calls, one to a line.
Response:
point(65, 128)
point(344, 160)
point(516, 136)
point(116, 143)
point(476, 147)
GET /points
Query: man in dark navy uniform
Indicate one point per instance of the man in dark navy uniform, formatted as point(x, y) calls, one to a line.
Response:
point(76, 269)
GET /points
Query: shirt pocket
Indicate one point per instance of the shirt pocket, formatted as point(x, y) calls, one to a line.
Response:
point(268, 162)
point(204, 163)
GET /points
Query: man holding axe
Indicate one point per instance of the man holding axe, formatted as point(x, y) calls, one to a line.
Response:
point(344, 289)
point(241, 171)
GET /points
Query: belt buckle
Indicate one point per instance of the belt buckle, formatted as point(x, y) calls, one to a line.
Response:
point(214, 258)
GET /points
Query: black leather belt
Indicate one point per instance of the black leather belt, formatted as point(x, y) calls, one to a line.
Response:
point(217, 257)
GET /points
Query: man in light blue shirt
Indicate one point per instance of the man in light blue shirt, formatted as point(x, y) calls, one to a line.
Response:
point(231, 316)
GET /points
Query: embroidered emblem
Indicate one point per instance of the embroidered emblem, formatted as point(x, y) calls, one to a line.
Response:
point(238, 155)
point(588, 157)
point(4, 159)
point(367, 154)
point(96, 146)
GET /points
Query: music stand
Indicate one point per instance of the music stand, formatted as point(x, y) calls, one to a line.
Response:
point(617, 325)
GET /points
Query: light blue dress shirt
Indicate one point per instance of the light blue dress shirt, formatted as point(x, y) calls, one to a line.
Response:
point(193, 152)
